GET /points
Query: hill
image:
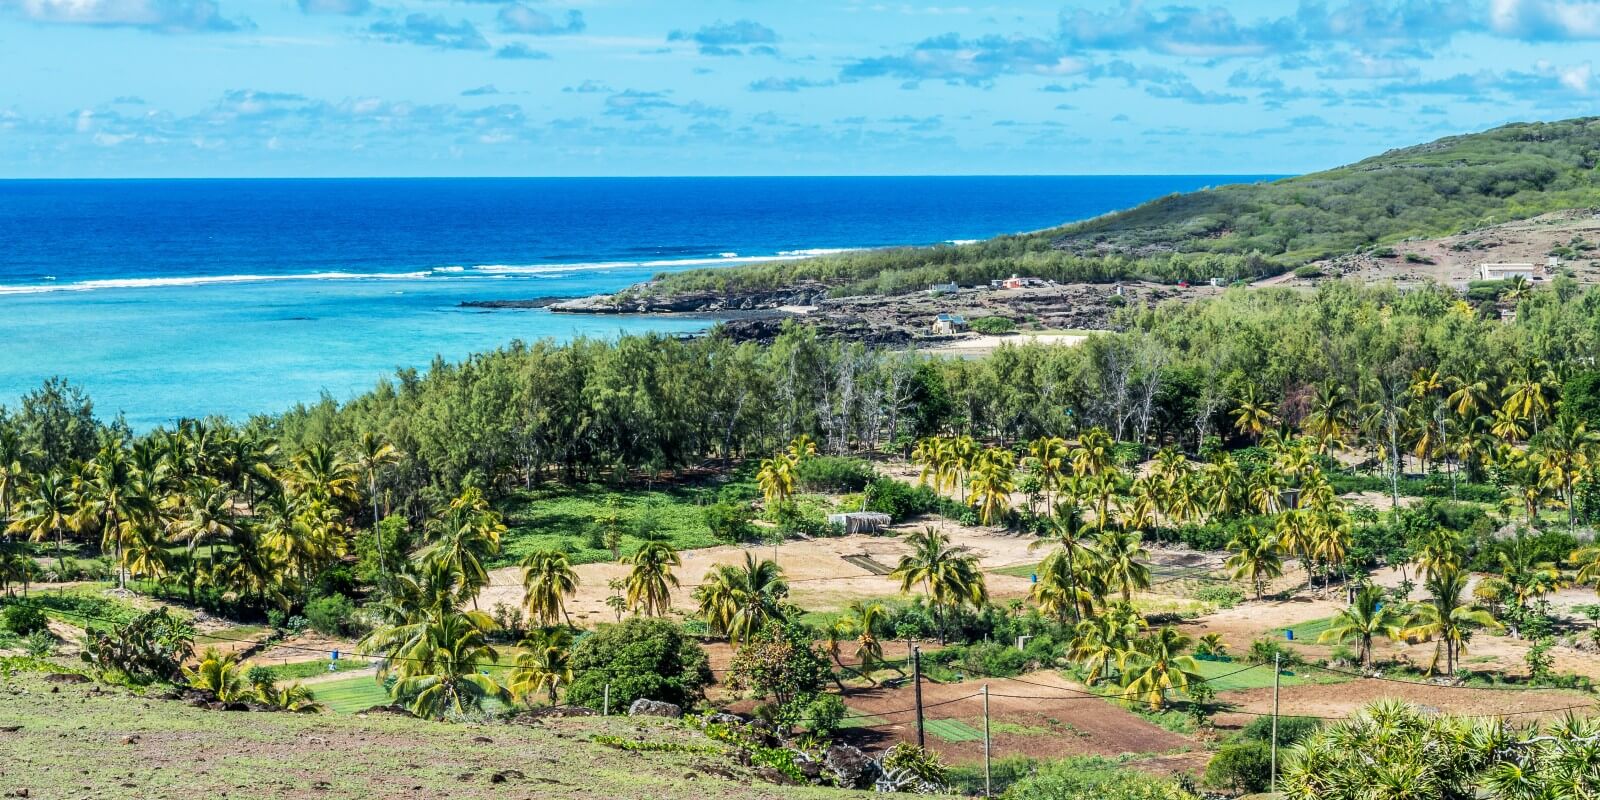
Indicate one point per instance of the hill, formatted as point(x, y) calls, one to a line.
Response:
point(1243, 231)
point(86, 740)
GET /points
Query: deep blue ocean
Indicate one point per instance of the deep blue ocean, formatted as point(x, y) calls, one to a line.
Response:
point(166, 299)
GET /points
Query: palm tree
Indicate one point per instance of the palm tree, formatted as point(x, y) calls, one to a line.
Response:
point(221, 675)
point(1447, 618)
point(372, 455)
point(738, 601)
point(1122, 556)
point(1364, 620)
point(439, 673)
point(1225, 486)
point(992, 484)
point(776, 478)
point(109, 495)
point(947, 573)
point(1095, 453)
point(651, 579)
point(48, 511)
point(1255, 557)
point(1329, 420)
point(1101, 641)
point(1253, 417)
point(1157, 664)
point(801, 448)
point(543, 665)
point(1565, 454)
point(1049, 457)
point(865, 617)
point(548, 579)
point(466, 537)
point(1438, 551)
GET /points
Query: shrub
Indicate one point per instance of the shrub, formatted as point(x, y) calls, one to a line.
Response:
point(1263, 651)
point(40, 643)
point(1291, 730)
point(151, 647)
point(909, 768)
point(730, 521)
point(1308, 272)
point(332, 615)
point(834, 474)
point(899, 500)
point(23, 619)
point(1222, 595)
point(993, 326)
point(1242, 767)
point(1099, 778)
point(640, 658)
point(1418, 258)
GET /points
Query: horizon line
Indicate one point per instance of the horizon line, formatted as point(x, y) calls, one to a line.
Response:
point(646, 177)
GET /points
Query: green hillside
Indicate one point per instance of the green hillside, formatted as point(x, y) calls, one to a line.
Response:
point(1244, 230)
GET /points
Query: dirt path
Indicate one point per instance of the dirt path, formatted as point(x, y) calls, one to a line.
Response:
point(1344, 699)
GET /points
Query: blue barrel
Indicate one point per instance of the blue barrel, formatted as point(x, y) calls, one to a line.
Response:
point(1290, 634)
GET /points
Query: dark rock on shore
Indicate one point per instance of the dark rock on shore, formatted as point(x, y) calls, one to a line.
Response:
point(537, 302)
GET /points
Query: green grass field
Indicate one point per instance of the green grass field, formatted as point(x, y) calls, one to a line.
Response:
point(357, 693)
point(300, 670)
point(953, 730)
point(1305, 632)
point(1018, 570)
point(1258, 678)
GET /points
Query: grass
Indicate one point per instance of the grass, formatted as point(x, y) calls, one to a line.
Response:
point(1305, 632)
point(1258, 678)
point(1018, 570)
point(863, 722)
point(300, 670)
point(953, 730)
point(122, 745)
point(354, 694)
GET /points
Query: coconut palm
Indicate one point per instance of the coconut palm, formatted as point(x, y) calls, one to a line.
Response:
point(947, 573)
point(439, 670)
point(544, 664)
point(1102, 641)
point(109, 495)
point(651, 580)
point(992, 484)
point(548, 579)
point(1254, 417)
point(1049, 457)
point(776, 479)
point(293, 698)
point(1447, 618)
point(1095, 453)
point(466, 537)
point(866, 617)
point(221, 675)
point(1121, 555)
point(371, 457)
point(48, 511)
point(1225, 486)
point(1565, 454)
point(801, 448)
point(738, 601)
point(1256, 557)
point(1365, 619)
point(1158, 664)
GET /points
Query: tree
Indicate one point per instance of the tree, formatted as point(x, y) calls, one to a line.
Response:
point(992, 484)
point(1447, 618)
point(1157, 664)
point(1255, 558)
point(1364, 620)
point(776, 479)
point(439, 673)
point(544, 664)
point(220, 675)
point(548, 579)
point(1253, 416)
point(737, 601)
point(1565, 453)
point(466, 537)
point(1122, 556)
point(638, 658)
point(651, 580)
point(779, 662)
point(947, 573)
point(373, 455)
point(48, 512)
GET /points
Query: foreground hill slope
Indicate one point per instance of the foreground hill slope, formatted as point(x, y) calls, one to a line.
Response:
point(82, 740)
point(1239, 231)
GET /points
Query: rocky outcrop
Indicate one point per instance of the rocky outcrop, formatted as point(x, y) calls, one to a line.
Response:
point(654, 708)
point(642, 301)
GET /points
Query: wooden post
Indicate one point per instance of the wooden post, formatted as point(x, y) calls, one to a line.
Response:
point(988, 787)
point(606, 705)
point(916, 680)
point(1277, 671)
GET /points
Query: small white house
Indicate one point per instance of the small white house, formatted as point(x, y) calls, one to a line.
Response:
point(1501, 272)
point(947, 324)
point(944, 288)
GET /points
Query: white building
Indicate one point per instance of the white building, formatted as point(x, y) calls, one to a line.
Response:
point(1500, 272)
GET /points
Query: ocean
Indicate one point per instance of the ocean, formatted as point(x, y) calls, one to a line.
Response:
point(167, 299)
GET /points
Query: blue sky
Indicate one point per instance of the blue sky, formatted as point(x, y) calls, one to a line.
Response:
point(111, 88)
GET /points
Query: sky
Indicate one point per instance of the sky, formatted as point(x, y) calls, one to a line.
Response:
point(309, 88)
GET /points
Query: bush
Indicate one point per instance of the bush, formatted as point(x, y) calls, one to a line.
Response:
point(1308, 272)
point(834, 474)
point(1418, 258)
point(640, 658)
point(899, 500)
point(1222, 595)
point(1093, 777)
point(1242, 767)
point(151, 647)
point(730, 521)
point(332, 615)
point(994, 326)
point(1291, 730)
point(23, 619)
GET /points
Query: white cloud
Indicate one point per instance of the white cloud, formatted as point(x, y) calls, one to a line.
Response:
point(166, 16)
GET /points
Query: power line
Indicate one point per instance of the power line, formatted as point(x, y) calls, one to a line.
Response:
point(1491, 688)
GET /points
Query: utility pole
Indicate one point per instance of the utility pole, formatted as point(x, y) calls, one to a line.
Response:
point(606, 706)
point(916, 680)
point(1277, 672)
point(988, 787)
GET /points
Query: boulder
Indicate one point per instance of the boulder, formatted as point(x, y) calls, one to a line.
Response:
point(654, 708)
point(66, 677)
point(851, 767)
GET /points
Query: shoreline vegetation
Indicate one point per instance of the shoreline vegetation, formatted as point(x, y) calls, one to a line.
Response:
point(1410, 475)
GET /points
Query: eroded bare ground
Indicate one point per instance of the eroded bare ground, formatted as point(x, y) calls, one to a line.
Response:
point(1455, 258)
